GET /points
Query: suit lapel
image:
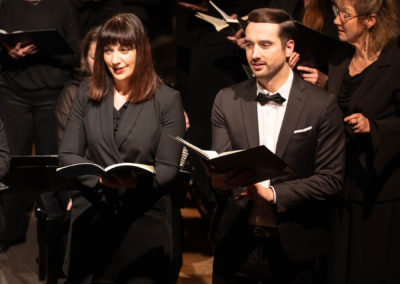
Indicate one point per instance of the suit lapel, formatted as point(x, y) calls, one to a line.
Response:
point(249, 114)
point(127, 123)
point(294, 107)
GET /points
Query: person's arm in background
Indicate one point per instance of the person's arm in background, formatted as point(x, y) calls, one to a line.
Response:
point(4, 152)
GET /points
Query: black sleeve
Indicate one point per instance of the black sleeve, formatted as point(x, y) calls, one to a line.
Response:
point(4, 152)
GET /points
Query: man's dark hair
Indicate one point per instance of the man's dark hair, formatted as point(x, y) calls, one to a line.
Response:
point(287, 28)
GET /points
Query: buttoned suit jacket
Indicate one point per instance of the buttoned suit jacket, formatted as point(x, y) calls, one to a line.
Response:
point(142, 137)
point(377, 98)
point(316, 155)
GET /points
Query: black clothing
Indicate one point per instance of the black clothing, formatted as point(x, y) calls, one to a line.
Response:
point(303, 199)
point(4, 152)
point(29, 88)
point(120, 236)
point(39, 71)
point(365, 248)
point(63, 107)
point(350, 85)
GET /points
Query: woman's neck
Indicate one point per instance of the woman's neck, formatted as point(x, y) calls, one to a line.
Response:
point(120, 99)
point(122, 87)
point(362, 58)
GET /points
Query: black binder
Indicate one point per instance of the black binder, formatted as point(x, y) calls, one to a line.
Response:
point(36, 173)
point(315, 48)
point(47, 41)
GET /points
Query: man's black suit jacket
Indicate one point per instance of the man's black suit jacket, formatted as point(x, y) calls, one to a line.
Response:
point(316, 155)
point(142, 137)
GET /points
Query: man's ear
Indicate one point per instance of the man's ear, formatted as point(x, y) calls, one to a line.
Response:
point(289, 48)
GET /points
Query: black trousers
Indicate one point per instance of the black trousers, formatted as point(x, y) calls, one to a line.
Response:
point(255, 260)
point(28, 119)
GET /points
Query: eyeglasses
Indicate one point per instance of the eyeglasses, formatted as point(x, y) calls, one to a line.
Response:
point(343, 15)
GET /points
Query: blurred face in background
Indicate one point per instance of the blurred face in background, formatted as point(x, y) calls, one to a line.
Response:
point(90, 55)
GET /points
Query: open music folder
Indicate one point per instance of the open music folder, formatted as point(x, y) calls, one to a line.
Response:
point(259, 160)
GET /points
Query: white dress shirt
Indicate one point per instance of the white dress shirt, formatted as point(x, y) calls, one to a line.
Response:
point(270, 117)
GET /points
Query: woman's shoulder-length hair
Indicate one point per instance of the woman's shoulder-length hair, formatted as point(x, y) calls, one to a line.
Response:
point(126, 30)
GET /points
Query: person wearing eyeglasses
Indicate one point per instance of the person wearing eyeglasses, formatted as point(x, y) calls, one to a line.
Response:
point(365, 76)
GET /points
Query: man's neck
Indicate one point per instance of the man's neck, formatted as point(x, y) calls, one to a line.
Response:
point(276, 82)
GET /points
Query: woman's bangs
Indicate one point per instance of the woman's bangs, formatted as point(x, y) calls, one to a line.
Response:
point(117, 33)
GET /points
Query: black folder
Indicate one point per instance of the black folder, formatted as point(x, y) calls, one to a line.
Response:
point(35, 173)
point(47, 41)
point(315, 48)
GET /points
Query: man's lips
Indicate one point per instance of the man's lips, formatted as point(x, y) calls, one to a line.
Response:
point(257, 66)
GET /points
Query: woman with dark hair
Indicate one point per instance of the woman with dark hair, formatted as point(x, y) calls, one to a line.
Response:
point(122, 226)
point(365, 77)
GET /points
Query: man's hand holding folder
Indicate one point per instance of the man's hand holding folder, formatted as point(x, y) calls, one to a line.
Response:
point(225, 181)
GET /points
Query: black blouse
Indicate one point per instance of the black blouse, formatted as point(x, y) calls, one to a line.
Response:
point(117, 116)
point(349, 87)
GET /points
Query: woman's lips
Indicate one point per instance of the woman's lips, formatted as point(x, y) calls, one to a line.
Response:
point(118, 70)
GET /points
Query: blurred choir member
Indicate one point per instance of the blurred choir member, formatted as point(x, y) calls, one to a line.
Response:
point(30, 82)
point(70, 90)
point(4, 153)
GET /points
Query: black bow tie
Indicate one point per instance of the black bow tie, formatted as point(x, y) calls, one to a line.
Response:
point(263, 98)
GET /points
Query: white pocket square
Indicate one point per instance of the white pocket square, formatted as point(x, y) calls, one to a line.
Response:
point(302, 130)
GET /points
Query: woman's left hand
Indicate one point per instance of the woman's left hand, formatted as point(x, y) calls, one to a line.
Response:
point(359, 123)
point(127, 180)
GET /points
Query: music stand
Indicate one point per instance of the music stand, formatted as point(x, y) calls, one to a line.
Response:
point(38, 173)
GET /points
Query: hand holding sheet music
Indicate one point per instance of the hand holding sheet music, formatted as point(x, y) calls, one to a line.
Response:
point(19, 51)
point(254, 164)
point(235, 23)
point(45, 41)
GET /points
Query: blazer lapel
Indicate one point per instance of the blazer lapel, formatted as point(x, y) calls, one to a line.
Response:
point(374, 74)
point(294, 107)
point(127, 123)
point(336, 78)
point(338, 67)
point(249, 114)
